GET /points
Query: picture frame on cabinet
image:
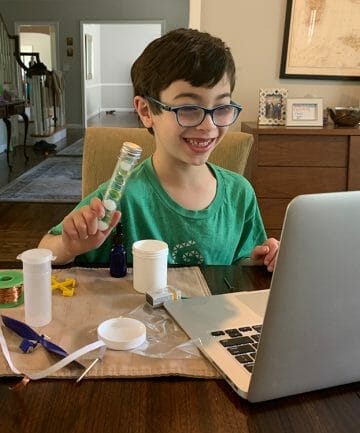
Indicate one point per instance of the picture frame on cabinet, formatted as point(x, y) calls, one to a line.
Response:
point(304, 112)
point(272, 106)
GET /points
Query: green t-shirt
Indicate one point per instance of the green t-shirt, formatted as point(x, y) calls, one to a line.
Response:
point(223, 233)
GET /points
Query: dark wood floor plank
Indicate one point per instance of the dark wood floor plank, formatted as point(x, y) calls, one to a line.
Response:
point(22, 225)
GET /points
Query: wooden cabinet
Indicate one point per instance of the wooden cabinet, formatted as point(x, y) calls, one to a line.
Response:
point(288, 161)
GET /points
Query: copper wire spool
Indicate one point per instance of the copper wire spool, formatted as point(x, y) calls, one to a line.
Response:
point(11, 289)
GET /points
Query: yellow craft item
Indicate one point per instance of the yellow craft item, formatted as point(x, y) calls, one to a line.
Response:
point(67, 286)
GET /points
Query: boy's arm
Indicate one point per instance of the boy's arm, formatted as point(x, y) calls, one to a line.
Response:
point(80, 233)
point(55, 244)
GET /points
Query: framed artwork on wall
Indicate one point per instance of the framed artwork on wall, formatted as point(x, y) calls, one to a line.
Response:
point(304, 112)
point(272, 106)
point(321, 40)
point(89, 57)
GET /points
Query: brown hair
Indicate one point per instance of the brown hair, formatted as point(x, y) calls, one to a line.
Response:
point(181, 54)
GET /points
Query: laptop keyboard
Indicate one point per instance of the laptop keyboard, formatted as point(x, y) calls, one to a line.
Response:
point(241, 343)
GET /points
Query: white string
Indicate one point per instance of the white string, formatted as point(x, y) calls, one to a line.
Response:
point(6, 353)
point(55, 367)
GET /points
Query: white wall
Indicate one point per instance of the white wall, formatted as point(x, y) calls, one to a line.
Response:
point(254, 32)
point(116, 46)
point(121, 44)
point(93, 86)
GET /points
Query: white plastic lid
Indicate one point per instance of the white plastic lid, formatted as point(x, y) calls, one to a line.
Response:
point(132, 148)
point(122, 333)
point(36, 256)
point(150, 246)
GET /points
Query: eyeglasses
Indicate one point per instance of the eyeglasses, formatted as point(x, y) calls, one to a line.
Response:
point(193, 115)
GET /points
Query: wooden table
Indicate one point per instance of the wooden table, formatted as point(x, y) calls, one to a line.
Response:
point(13, 108)
point(174, 404)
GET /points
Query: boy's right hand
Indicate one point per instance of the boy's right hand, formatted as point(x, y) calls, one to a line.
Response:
point(80, 228)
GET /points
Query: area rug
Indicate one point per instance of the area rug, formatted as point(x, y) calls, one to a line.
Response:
point(75, 149)
point(56, 179)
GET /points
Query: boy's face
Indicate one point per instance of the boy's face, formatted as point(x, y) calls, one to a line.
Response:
point(189, 145)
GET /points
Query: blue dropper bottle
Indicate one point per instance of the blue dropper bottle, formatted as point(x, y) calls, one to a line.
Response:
point(118, 256)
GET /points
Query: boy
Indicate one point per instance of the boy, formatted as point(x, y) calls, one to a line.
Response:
point(208, 215)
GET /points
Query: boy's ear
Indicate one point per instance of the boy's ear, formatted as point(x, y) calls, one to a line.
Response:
point(142, 107)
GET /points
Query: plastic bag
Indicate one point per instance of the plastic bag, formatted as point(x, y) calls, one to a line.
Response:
point(164, 338)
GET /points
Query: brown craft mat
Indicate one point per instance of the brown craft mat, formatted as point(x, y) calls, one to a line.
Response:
point(99, 297)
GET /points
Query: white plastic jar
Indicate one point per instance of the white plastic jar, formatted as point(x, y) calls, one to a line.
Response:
point(150, 258)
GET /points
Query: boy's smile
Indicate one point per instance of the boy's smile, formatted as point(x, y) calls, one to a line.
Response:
point(200, 145)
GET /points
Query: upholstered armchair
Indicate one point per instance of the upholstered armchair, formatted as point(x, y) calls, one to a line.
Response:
point(102, 146)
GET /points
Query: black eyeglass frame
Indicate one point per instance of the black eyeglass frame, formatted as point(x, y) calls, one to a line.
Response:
point(175, 109)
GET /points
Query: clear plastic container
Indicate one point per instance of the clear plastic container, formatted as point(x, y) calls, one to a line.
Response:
point(37, 286)
point(129, 156)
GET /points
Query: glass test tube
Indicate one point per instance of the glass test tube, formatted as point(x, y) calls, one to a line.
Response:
point(129, 155)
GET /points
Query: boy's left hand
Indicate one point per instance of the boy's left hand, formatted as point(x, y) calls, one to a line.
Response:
point(266, 254)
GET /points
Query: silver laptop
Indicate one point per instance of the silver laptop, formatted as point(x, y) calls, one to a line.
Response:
point(303, 333)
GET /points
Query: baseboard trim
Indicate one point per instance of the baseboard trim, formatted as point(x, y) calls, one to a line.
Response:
point(74, 125)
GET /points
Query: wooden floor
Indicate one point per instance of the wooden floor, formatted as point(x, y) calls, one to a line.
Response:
point(23, 224)
point(119, 119)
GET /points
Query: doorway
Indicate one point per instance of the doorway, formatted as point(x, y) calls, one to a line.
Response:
point(108, 50)
point(40, 37)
